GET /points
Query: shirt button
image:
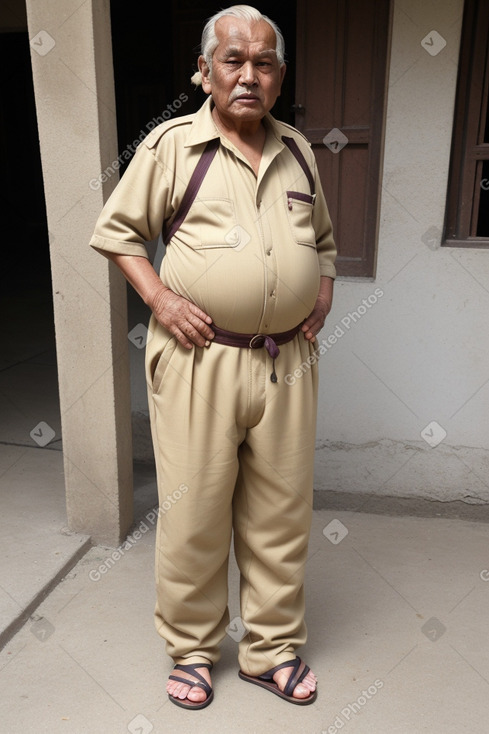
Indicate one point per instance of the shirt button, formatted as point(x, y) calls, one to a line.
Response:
point(272, 294)
point(269, 252)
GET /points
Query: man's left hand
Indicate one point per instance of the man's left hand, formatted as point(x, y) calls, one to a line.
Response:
point(315, 321)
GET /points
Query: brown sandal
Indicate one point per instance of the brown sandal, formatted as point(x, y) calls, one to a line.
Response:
point(299, 672)
point(185, 703)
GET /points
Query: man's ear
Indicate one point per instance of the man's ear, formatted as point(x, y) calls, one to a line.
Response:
point(283, 69)
point(205, 72)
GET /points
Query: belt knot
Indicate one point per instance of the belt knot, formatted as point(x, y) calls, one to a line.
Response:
point(265, 340)
point(255, 341)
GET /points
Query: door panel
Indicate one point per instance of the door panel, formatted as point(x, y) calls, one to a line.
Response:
point(342, 51)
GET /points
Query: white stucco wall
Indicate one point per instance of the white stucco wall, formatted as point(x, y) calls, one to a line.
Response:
point(421, 352)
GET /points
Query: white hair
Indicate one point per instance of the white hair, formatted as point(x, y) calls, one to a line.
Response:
point(210, 42)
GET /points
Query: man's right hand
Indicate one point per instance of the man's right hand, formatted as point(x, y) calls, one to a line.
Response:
point(182, 318)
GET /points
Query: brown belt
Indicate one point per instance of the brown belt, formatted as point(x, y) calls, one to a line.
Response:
point(255, 341)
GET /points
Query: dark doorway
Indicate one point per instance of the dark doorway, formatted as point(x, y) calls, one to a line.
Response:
point(26, 248)
point(26, 292)
point(155, 54)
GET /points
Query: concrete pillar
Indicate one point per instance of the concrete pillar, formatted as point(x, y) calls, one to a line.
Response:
point(74, 89)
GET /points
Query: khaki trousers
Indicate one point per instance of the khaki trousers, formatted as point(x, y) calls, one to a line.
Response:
point(233, 451)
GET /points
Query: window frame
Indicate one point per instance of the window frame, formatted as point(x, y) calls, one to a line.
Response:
point(469, 151)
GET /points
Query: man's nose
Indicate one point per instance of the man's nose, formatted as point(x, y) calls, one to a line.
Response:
point(247, 76)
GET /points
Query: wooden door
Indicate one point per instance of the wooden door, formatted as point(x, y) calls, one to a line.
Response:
point(342, 53)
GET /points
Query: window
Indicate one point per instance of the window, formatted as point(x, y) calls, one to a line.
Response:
point(467, 216)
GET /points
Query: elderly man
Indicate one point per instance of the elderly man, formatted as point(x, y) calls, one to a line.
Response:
point(245, 286)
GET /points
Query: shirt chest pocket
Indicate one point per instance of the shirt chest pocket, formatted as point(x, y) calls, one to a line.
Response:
point(299, 213)
point(211, 223)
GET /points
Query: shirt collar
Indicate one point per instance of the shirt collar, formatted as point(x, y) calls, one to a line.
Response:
point(204, 128)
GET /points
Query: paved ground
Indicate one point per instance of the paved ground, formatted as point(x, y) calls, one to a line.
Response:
point(397, 616)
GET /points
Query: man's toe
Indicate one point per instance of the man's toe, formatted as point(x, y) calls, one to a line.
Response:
point(196, 694)
point(301, 691)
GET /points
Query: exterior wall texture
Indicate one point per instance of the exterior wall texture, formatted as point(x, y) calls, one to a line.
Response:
point(412, 364)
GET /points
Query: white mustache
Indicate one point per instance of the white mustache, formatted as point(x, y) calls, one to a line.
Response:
point(238, 92)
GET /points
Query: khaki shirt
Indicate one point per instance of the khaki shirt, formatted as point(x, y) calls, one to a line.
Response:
point(248, 254)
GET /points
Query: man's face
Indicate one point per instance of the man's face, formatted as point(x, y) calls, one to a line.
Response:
point(246, 77)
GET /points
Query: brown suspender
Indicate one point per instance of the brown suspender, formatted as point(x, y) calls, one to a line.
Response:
point(296, 152)
point(193, 187)
point(203, 166)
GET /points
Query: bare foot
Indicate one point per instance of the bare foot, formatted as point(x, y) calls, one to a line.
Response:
point(192, 692)
point(303, 690)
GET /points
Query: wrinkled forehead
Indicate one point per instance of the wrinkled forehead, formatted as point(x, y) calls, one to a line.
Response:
point(240, 34)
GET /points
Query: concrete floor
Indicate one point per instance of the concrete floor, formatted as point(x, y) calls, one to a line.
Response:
point(396, 608)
